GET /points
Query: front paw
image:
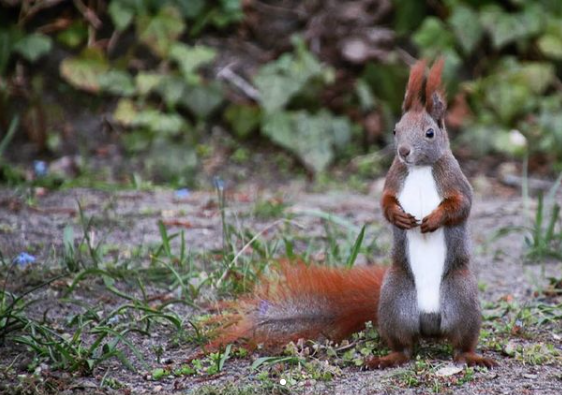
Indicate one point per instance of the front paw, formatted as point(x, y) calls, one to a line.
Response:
point(432, 222)
point(402, 219)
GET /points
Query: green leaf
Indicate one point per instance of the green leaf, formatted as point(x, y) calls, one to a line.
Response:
point(117, 82)
point(506, 28)
point(433, 37)
point(313, 138)
point(408, 15)
point(84, 71)
point(33, 46)
point(125, 113)
point(73, 35)
point(159, 122)
point(515, 88)
point(170, 160)
point(121, 13)
point(172, 90)
point(190, 58)
point(192, 8)
point(6, 47)
point(466, 26)
point(158, 373)
point(280, 81)
point(551, 46)
point(160, 31)
point(243, 119)
point(202, 100)
point(147, 82)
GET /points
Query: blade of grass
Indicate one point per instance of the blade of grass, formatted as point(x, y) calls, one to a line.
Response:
point(356, 247)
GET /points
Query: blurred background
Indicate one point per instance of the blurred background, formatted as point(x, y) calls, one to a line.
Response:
point(137, 93)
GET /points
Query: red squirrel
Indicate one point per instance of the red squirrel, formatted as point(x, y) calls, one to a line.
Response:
point(429, 290)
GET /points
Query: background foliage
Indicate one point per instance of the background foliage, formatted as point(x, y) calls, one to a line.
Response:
point(323, 81)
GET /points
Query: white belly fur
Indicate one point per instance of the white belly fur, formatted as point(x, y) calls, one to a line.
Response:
point(426, 252)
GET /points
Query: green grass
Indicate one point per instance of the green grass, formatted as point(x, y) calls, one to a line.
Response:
point(110, 293)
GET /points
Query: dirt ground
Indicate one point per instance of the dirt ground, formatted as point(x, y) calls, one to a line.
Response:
point(130, 218)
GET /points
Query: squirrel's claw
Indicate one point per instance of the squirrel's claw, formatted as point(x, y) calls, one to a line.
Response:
point(404, 220)
point(432, 222)
point(473, 359)
point(388, 361)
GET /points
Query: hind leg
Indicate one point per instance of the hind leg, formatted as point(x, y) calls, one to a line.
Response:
point(462, 321)
point(398, 320)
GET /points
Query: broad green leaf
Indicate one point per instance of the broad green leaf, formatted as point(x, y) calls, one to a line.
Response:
point(121, 13)
point(146, 82)
point(33, 46)
point(202, 100)
point(84, 71)
point(190, 58)
point(551, 46)
point(129, 115)
point(160, 31)
point(125, 112)
point(117, 82)
point(74, 35)
point(506, 28)
point(280, 81)
point(190, 9)
point(159, 122)
point(172, 90)
point(172, 160)
point(384, 79)
point(433, 37)
point(466, 26)
point(408, 15)
point(243, 119)
point(313, 138)
point(515, 87)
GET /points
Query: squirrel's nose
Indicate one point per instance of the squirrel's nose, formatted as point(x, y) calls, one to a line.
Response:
point(404, 151)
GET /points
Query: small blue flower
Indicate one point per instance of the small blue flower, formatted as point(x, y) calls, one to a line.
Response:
point(40, 168)
point(263, 307)
point(113, 320)
point(218, 183)
point(182, 193)
point(24, 259)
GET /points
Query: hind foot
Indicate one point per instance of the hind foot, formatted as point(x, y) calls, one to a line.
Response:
point(473, 359)
point(388, 361)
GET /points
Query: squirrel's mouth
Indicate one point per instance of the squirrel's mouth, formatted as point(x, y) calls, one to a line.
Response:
point(406, 161)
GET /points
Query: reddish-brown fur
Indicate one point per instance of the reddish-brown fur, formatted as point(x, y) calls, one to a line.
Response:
point(412, 101)
point(448, 213)
point(348, 296)
point(433, 84)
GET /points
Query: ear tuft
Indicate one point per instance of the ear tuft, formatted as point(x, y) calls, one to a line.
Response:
point(435, 101)
point(414, 88)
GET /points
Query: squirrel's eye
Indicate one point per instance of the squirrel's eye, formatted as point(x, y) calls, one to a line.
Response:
point(394, 132)
point(429, 133)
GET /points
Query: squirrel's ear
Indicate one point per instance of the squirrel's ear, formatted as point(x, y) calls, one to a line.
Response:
point(415, 82)
point(435, 100)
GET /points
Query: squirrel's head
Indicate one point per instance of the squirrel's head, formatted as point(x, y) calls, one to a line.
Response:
point(420, 136)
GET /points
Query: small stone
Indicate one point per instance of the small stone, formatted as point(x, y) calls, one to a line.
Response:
point(450, 370)
point(158, 388)
point(530, 376)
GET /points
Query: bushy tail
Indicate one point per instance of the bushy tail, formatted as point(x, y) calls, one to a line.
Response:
point(310, 302)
